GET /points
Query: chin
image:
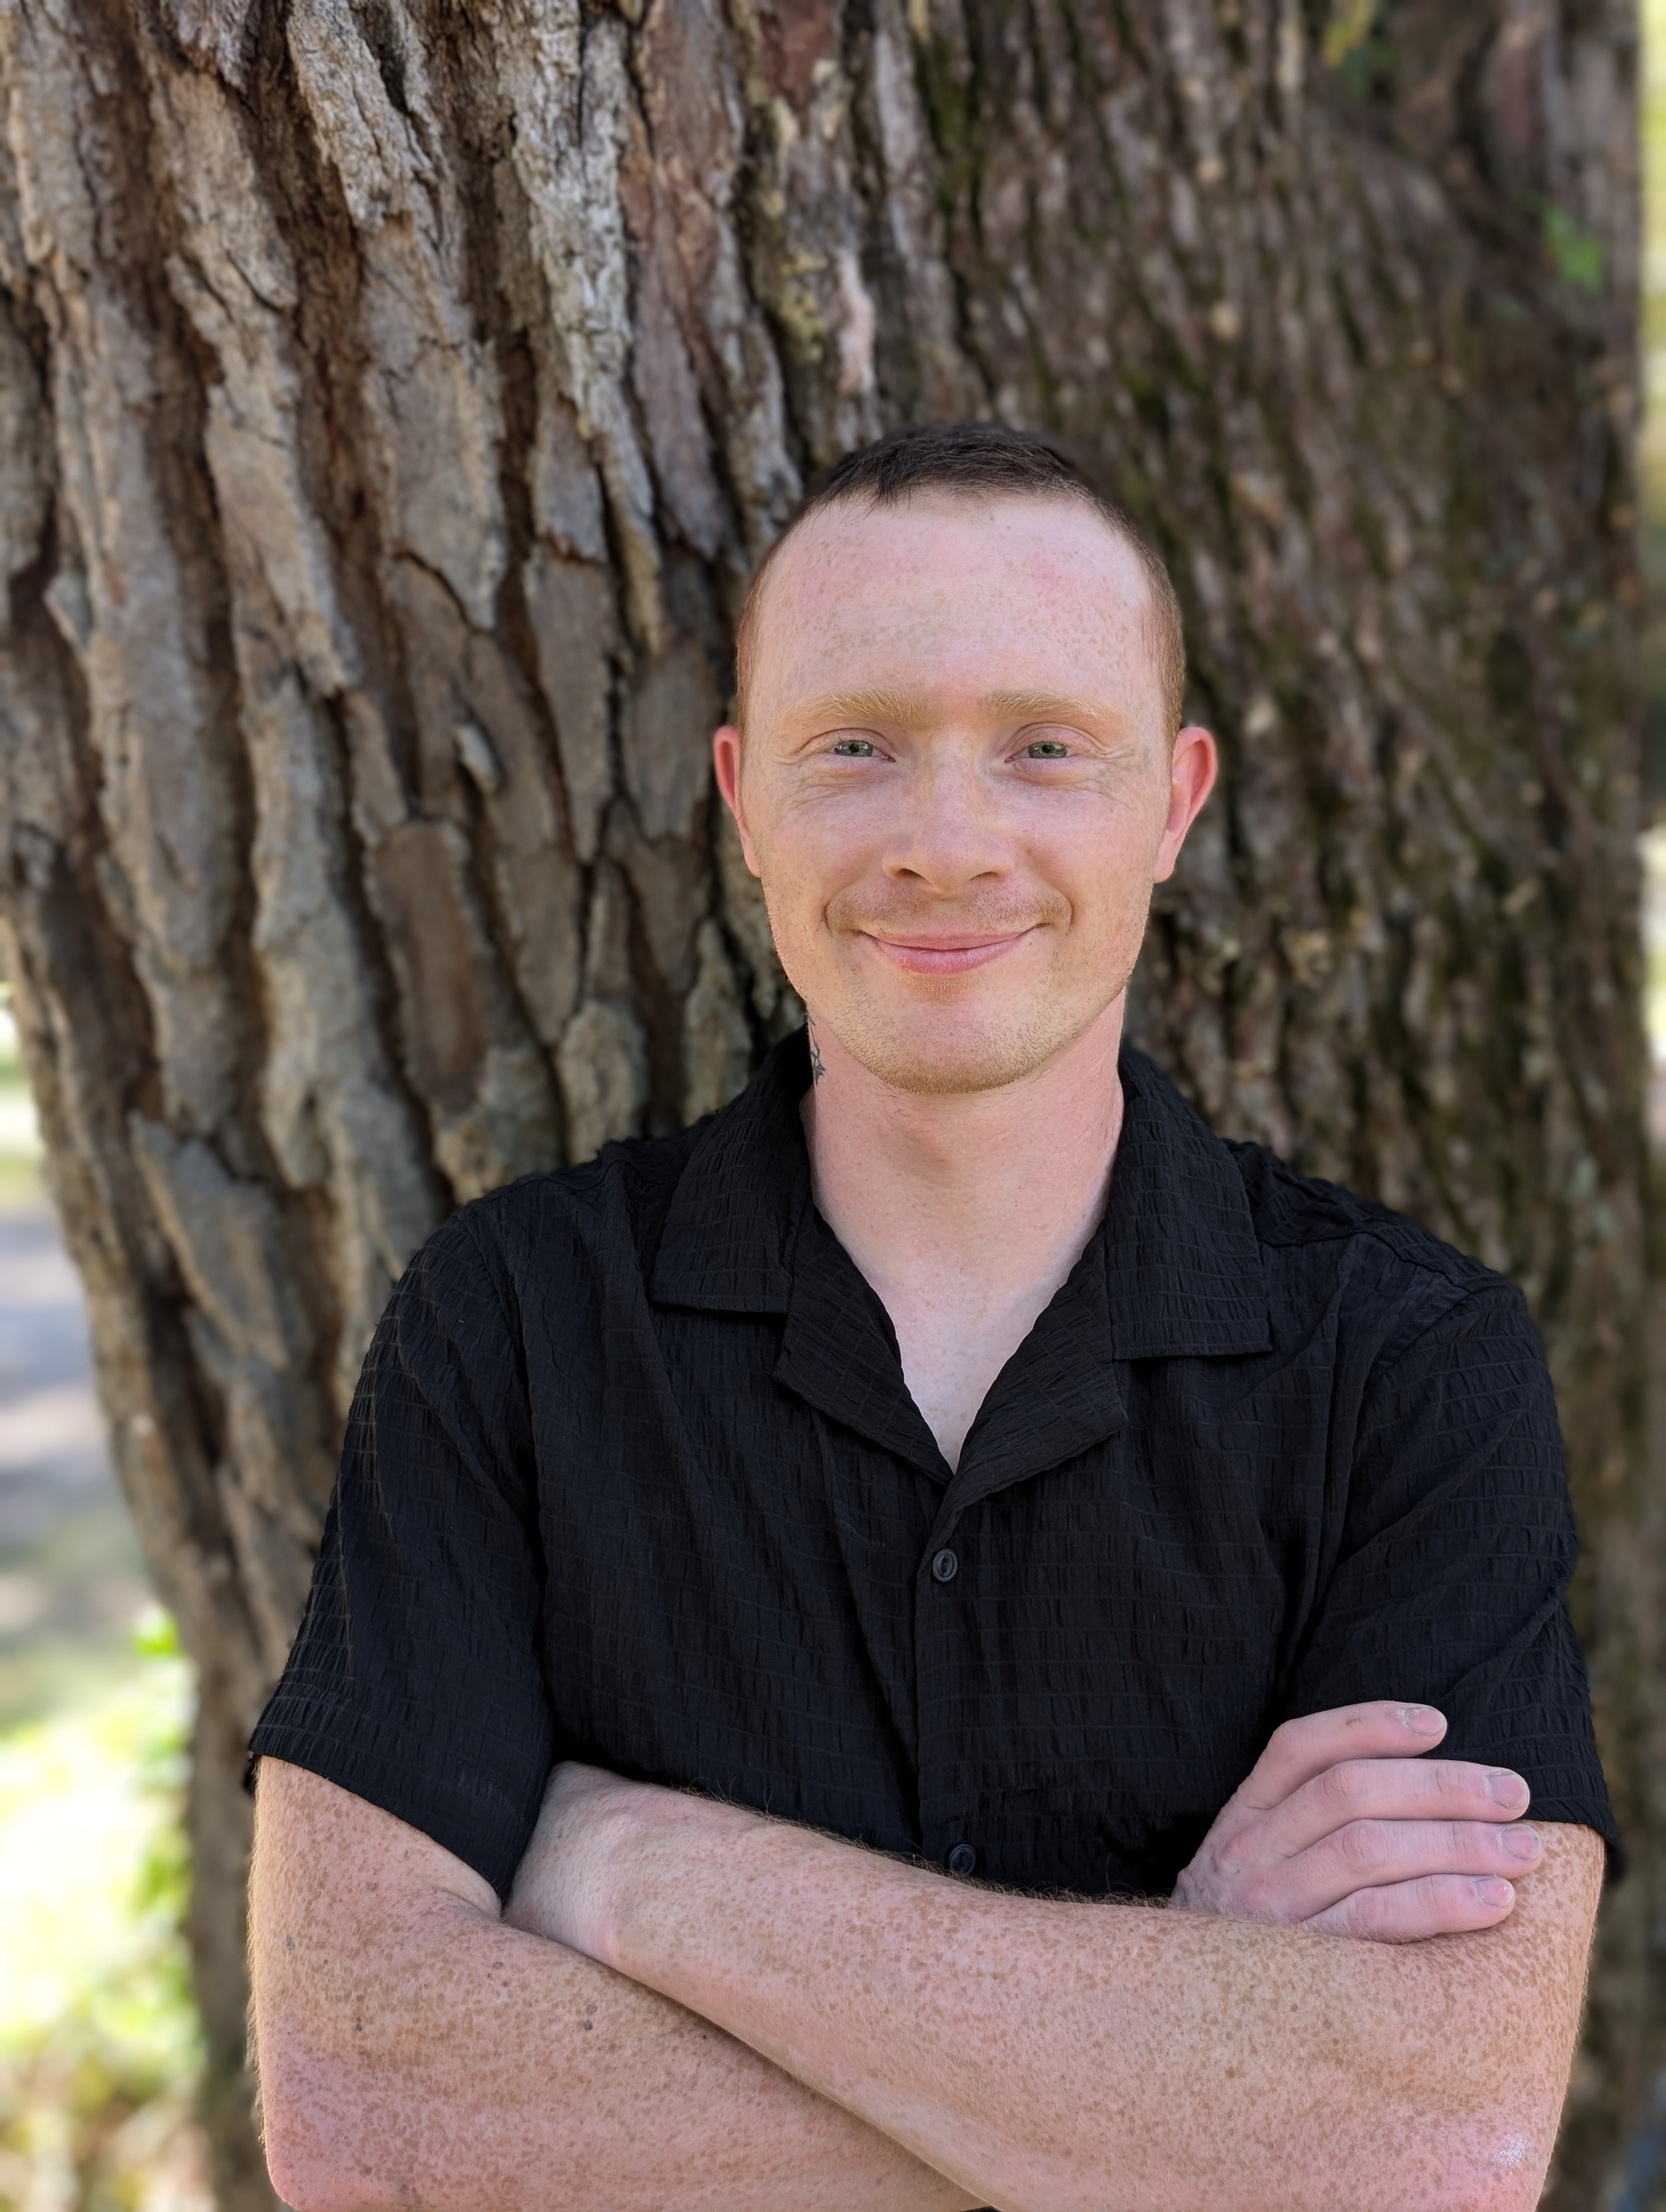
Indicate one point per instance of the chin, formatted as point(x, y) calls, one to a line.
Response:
point(946, 1058)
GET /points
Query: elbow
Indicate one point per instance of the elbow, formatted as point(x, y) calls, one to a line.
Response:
point(1491, 2191)
point(305, 2173)
point(1424, 2160)
point(315, 2158)
point(300, 2180)
point(1516, 2181)
point(1495, 2165)
point(302, 2176)
point(1525, 2195)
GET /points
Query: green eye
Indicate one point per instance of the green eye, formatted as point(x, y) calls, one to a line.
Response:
point(855, 748)
point(1047, 749)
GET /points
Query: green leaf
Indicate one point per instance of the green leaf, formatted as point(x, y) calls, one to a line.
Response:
point(155, 1634)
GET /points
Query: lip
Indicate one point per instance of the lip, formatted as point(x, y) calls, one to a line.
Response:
point(954, 955)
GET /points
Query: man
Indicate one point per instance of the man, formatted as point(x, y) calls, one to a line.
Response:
point(945, 1493)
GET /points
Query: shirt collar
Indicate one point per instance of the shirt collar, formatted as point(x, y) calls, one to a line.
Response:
point(1184, 1274)
point(1181, 1262)
point(732, 1224)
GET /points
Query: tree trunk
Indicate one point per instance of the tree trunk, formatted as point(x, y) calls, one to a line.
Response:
point(393, 398)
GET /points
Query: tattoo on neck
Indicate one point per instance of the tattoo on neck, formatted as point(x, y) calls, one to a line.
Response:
point(817, 1070)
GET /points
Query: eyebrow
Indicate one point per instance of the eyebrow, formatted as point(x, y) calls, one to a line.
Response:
point(1045, 706)
point(909, 709)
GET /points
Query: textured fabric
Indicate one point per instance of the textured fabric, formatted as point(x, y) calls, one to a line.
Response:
point(633, 1476)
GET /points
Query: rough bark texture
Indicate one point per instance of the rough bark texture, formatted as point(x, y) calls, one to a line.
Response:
point(394, 395)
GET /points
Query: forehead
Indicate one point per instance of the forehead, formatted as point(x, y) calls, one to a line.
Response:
point(949, 593)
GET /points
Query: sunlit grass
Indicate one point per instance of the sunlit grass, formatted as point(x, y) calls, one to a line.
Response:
point(20, 1131)
point(1654, 942)
point(19, 1127)
point(99, 2047)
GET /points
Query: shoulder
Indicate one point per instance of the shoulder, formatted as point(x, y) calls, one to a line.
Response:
point(1422, 1302)
point(602, 1216)
point(1385, 1278)
point(1291, 1211)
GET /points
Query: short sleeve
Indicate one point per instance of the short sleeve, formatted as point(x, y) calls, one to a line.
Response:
point(1457, 1546)
point(415, 1680)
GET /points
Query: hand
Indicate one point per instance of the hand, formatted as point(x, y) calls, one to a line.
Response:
point(1334, 1830)
point(562, 1887)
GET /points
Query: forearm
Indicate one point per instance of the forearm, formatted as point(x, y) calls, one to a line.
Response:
point(1052, 2055)
point(431, 2055)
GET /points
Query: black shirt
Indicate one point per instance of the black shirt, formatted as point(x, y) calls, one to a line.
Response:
point(633, 1476)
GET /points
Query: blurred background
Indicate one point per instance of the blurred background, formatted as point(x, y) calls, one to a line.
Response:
point(1653, 458)
point(100, 2048)
point(99, 2042)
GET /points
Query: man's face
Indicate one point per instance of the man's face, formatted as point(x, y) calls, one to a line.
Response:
point(956, 783)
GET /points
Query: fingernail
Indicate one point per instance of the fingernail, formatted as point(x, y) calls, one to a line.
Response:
point(1520, 1843)
point(1491, 1891)
point(1423, 1720)
point(1506, 1788)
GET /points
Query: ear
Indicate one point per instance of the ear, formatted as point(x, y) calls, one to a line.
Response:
point(1193, 767)
point(726, 760)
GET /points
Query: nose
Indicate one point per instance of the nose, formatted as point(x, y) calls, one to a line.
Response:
point(948, 833)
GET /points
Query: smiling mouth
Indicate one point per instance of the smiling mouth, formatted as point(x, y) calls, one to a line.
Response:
point(956, 955)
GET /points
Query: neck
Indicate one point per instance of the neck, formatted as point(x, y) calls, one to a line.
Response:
point(977, 1162)
point(965, 1211)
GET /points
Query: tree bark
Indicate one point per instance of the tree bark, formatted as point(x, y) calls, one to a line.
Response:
point(394, 397)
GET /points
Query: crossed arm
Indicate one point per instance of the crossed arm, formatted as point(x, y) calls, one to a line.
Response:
point(689, 2005)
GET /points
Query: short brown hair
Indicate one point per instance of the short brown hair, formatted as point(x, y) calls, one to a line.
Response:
point(987, 460)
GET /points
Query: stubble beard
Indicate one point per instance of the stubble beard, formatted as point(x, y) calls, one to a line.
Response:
point(939, 1041)
point(944, 1044)
point(940, 1065)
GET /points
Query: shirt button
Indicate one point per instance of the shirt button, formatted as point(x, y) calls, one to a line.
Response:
point(945, 1567)
point(963, 1858)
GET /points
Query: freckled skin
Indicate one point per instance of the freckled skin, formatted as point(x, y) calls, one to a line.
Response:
point(416, 2050)
point(1052, 2055)
point(690, 2005)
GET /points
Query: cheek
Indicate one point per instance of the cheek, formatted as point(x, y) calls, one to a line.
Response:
point(795, 906)
point(798, 878)
point(816, 844)
point(1103, 866)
